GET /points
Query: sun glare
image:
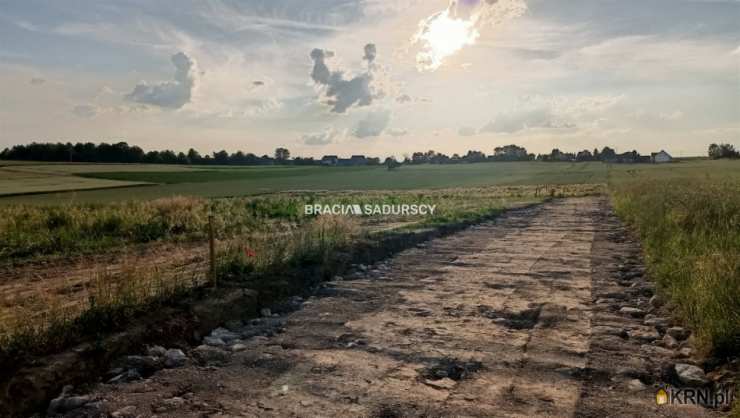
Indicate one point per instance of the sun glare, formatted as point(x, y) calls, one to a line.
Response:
point(442, 36)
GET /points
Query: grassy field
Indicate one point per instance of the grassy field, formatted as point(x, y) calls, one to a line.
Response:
point(690, 232)
point(23, 177)
point(227, 181)
point(20, 181)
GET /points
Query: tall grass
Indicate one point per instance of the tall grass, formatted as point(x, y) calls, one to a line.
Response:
point(265, 253)
point(28, 231)
point(690, 231)
point(113, 299)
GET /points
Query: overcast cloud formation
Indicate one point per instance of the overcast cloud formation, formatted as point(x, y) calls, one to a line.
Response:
point(342, 76)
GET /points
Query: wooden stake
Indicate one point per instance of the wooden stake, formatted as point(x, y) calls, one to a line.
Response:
point(212, 251)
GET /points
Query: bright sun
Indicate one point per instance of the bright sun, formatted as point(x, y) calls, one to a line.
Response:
point(442, 36)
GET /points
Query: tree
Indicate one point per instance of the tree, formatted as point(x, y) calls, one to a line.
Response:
point(728, 151)
point(584, 155)
point(608, 154)
point(282, 154)
point(510, 153)
point(474, 156)
point(194, 157)
point(722, 151)
point(391, 163)
point(221, 157)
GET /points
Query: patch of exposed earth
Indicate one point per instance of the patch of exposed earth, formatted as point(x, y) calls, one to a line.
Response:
point(543, 312)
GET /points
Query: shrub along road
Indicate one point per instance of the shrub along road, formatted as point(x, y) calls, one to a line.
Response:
point(543, 312)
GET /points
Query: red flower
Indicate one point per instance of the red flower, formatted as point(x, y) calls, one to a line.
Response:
point(249, 252)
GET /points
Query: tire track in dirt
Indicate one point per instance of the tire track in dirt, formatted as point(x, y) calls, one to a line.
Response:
point(494, 321)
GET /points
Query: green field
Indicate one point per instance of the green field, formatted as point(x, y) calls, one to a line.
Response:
point(21, 177)
point(165, 181)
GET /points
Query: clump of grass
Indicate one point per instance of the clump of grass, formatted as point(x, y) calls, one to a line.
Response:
point(311, 244)
point(690, 231)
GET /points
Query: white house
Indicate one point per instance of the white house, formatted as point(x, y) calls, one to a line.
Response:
point(661, 157)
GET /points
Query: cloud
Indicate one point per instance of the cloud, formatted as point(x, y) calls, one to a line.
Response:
point(36, 81)
point(675, 115)
point(552, 112)
point(397, 132)
point(342, 93)
point(329, 136)
point(466, 131)
point(169, 94)
point(517, 121)
point(404, 98)
point(85, 111)
point(373, 124)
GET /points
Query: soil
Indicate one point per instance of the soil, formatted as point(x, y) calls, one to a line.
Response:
point(517, 317)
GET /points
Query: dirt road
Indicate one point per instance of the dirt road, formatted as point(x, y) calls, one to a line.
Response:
point(517, 317)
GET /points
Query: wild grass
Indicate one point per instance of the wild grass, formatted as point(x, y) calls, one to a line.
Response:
point(27, 231)
point(690, 231)
point(68, 229)
point(113, 298)
point(111, 301)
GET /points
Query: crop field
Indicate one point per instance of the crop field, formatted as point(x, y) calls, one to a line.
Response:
point(20, 177)
point(157, 181)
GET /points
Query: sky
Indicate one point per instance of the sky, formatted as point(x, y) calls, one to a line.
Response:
point(374, 77)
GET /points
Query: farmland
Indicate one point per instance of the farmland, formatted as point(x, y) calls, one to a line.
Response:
point(73, 260)
point(156, 181)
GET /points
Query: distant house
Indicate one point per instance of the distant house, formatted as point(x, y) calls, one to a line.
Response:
point(358, 160)
point(329, 160)
point(628, 157)
point(355, 160)
point(645, 159)
point(661, 157)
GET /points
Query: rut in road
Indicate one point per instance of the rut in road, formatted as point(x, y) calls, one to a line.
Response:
point(492, 321)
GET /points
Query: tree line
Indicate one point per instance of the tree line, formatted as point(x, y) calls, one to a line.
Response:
point(717, 152)
point(122, 152)
point(518, 153)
